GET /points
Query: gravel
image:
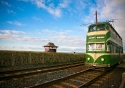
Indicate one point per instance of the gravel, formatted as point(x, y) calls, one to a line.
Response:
point(39, 78)
point(111, 80)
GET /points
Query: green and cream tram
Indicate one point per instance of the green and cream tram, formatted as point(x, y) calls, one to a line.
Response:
point(104, 47)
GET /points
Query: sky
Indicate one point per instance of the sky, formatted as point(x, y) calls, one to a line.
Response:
point(28, 25)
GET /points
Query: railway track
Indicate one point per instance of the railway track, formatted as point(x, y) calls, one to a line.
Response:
point(21, 80)
point(6, 75)
point(70, 76)
point(78, 80)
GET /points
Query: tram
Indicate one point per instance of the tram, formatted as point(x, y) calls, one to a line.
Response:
point(104, 46)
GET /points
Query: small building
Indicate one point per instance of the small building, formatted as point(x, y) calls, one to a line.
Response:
point(50, 47)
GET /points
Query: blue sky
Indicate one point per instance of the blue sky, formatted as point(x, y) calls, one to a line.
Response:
point(30, 24)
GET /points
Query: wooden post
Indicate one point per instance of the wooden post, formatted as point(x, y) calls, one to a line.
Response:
point(1, 62)
point(123, 81)
point(43, 58)
point(13, 60)
point(30, 58)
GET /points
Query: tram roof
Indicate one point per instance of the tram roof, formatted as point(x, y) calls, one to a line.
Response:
point(106, 23)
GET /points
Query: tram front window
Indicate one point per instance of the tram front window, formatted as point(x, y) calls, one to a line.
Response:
point(92, 28)
point(100, 27)
point(96, 47)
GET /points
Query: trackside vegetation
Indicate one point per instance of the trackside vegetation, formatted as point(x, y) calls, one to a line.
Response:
point(19, 58)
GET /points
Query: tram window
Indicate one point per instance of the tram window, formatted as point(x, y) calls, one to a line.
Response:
point(114, 49)
point(92, 28)
point(91, 47)
point(108, 48)
point(96, 47)
point(100, 27)
point(100, 47)
point(121, 50)
point(118, 50)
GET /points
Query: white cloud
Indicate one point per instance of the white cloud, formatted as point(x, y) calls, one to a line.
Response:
point(14, 35)
point(11, 11)
point(11, 32)
point(64, 39)
point(37, 19)
point(56, 11)
point(64, 3)
point(61, 39)
point(15, 23)
point(5, 3)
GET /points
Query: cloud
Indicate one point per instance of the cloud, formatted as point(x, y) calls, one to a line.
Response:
point(64, 4)
point(49, 7)
point(11, 11)
point(18, 35)
point(15, 23)
point(37, 19)
point(11, 32)
point(54, 11)
point(6, 3)
point(64, 39)
point(24, 0)
point(59, 38)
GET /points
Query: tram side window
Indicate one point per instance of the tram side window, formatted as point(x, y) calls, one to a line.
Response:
point(108, 48)
point(115, 49)
point(92, 28)
point(121, 50)
point(100, 27)
point(112, 49)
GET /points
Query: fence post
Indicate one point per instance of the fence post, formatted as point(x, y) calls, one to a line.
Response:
point(43, 59)
point(1, 62)
point(123, 81)
point(30, 58)
point(13, 60)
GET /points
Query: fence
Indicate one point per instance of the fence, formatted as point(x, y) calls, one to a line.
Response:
point(17, 58)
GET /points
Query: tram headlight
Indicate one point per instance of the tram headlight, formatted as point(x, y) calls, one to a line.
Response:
point(102, 59)
point(88, 59)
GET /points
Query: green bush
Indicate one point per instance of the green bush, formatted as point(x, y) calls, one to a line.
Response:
point(18, 58)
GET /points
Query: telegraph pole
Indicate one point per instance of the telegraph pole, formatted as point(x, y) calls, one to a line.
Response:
point(96, 17)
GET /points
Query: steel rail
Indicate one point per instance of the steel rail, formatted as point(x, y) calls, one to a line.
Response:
point(27, 72)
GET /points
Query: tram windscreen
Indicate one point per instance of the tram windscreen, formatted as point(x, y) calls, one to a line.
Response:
point(100, 27)
point(96, 47)
point(97, 27)
point(92, 28)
